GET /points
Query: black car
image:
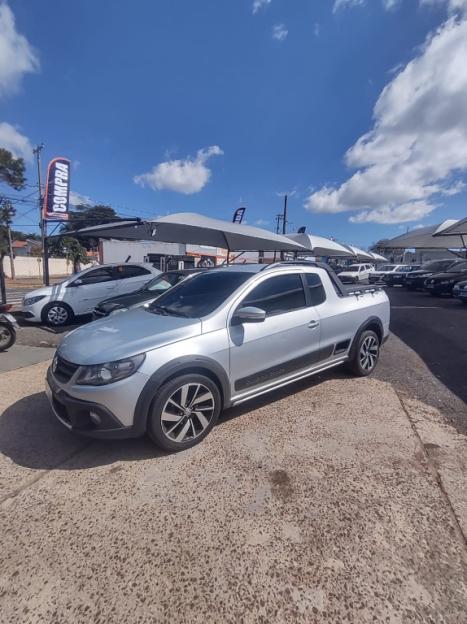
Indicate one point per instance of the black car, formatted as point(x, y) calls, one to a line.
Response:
point(397, 277)
point(147, 294)
point(443, 283)
point(416, 279)
point(460, 291)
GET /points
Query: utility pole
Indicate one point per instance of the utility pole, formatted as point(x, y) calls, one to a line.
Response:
point(42, 222)
point(12, 260)
point(284, 223)
point(284, 217)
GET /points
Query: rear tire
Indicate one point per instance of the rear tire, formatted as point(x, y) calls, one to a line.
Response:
point(57, 314)
point(183, 412)
point(7, 337)
point(365, 354)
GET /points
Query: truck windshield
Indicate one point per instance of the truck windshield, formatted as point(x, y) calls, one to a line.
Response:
point(199, 295)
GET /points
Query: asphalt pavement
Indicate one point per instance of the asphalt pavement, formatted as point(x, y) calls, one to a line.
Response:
point(435, 328)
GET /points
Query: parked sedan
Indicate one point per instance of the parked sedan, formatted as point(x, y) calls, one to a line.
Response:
point(460, 291)
point(416, 279)
point(377, 276)
point(356, 273)
point(397, 278)
point(57, 304)
point(145, 295)
point(443, 283)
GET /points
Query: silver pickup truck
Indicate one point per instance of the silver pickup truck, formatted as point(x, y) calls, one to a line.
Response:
point(216, 339)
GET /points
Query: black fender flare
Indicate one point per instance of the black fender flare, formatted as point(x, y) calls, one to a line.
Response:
point(180, 366)
point(370, 322)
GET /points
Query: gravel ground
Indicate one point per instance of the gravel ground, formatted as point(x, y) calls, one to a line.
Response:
point(332, 501)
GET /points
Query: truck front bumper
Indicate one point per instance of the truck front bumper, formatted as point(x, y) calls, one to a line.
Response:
point(86, 417)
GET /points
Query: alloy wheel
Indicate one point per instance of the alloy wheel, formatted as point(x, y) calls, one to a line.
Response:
point(369, 353)
point(57, 315)
point(5, 337)
point(187, 412)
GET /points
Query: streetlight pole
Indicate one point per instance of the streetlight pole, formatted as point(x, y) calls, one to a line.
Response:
point(42, 222)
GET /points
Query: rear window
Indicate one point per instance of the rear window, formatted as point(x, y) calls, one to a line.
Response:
point(316, 288)
point(459, 267)
point(125, 271)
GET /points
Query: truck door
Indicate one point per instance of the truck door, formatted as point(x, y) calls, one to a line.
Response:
point(285, 342)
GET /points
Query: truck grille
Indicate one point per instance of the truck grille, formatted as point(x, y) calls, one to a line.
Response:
point(64, 370)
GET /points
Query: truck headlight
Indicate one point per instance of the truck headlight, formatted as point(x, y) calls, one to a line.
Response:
point(103, 374)
point(32, 300)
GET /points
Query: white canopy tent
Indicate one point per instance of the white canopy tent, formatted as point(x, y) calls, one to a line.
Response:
point(319, 245)
point(378, 257)
point(430, 237)
point(359, 253)
point(195, 229)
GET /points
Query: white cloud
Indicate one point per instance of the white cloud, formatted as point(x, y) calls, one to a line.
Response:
point(279, 32)
point(400, 214)
point(17, 57)
point(454, 6)
point(344, 4)
point(390, 4)
point(417, 147)
point(259, 4)
point(15, 142)
point(186, 176)
point(77, 198)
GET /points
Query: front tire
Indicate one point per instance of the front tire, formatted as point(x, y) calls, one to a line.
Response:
point(183, 412)
point(365, 354)
point(57, 314)
point(7, 337)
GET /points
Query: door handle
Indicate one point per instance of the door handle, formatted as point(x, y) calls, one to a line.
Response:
point(313, 324)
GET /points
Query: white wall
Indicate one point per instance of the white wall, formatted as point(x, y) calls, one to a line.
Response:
point(118, 251)
point(32, 267)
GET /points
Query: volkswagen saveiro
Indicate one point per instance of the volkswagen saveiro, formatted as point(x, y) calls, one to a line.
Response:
point(213, 341)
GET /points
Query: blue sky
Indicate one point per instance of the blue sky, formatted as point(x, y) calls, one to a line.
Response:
point(176, 105)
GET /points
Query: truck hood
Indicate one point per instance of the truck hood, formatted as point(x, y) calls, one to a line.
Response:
point(124, 335)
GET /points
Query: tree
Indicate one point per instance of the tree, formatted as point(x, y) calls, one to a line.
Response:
point(86, 216)
point(83, 216)
point(12, 170)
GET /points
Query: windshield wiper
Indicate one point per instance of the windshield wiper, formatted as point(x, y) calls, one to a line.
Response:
point(167, 311)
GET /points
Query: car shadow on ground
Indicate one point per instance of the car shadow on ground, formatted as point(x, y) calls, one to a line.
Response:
point(77, 322)
point(31, 436)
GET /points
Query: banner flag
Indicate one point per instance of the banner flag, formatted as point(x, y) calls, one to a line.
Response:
point(238, 215)
point(57, 190)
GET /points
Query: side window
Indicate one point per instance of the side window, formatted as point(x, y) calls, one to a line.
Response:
point(279, 294)
point(316, 288)
point(125, 271)
point(98, 276)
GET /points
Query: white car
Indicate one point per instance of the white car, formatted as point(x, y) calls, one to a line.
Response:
point(377, 275)
point(356, 273)
point(79, 294)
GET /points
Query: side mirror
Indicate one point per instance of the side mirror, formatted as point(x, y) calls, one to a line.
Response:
point(77, 282)
point(250, 314)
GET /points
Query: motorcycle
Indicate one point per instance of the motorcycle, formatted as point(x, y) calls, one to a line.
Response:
point(8, 327)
